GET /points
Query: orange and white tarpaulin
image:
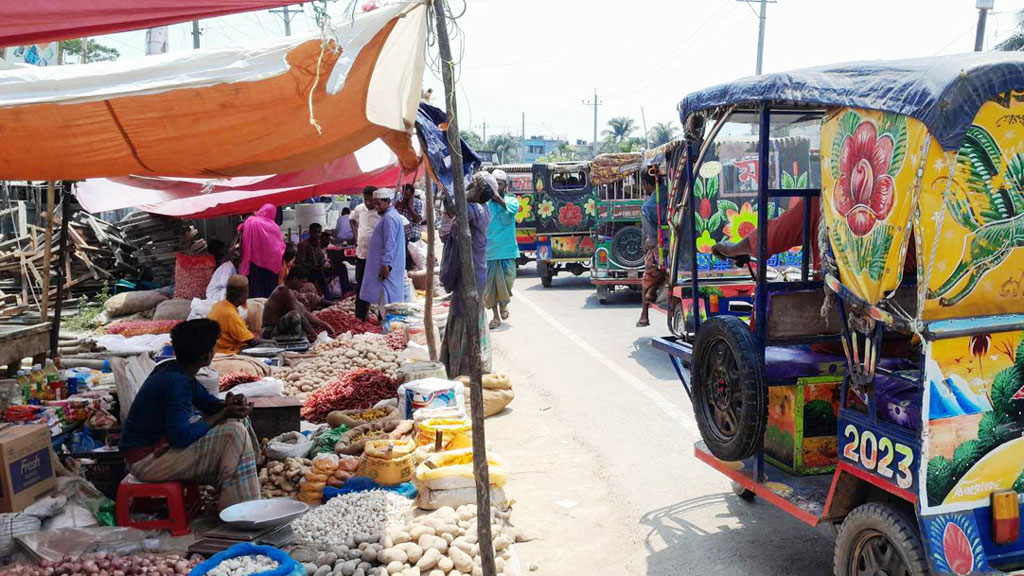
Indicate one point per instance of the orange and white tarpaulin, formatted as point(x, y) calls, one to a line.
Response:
point(220, 113)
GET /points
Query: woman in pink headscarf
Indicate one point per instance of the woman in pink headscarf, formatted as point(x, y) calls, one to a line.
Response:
point(262, 249)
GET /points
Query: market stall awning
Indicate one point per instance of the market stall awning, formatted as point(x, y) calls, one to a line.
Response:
point(35, 21)
point(372, 165)
point(222, 112)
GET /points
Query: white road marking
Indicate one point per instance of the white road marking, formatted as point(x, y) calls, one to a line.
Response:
point(674, 412)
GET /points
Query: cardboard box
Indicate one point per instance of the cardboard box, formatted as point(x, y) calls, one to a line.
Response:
point(801, 433)
point(26, 470)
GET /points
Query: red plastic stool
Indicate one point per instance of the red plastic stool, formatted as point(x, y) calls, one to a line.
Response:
point(182, 502)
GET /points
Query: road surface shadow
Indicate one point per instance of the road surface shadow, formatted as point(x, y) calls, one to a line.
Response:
point(655, 362)
point(566, 282)
point(766, 542)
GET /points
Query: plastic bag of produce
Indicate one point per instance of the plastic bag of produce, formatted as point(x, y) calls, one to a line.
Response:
point(286, 565)
point(429, 392)
point(289, 445)
point(192, 273)
point(353, 418)
point(127, 303)
point(325, 441)
point(455, 433)
point(428, 499)
point(454, 469)
point(258, 389)
point(173, 310)
point(353, 441)
point(495, 400)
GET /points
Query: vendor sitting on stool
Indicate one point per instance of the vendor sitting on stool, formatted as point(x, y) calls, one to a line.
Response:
point(284, 316)
point(234, 333)
point(161, 440)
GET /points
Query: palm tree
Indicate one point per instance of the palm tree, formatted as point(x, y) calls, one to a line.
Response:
point(620, 128)
point(506, 146)
point(662, 133)
point(1016, 41)
point(473, 139)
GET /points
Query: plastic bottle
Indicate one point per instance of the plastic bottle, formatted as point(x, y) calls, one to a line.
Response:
point(38, 381)
point(24, 385)
point(52, 375)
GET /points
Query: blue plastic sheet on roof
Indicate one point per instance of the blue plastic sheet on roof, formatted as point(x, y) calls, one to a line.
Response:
point(944, 92)
point(436, 149)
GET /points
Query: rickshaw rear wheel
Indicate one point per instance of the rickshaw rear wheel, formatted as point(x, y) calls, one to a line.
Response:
point(876, 539)
point(730, 401)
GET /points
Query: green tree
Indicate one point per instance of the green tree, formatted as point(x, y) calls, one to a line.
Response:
point(506, 146)
point(662, 133)
point(564, 153)
point(474, 140)
point(72, 51)
point(619, 129)
point(1015, 42)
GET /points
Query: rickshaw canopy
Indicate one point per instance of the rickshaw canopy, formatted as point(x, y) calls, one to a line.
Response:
point(944, 93)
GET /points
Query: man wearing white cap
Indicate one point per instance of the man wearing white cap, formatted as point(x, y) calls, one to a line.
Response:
point(383, 280)
point(502, 250)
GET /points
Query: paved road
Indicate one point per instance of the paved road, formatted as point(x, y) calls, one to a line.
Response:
point(600, 438)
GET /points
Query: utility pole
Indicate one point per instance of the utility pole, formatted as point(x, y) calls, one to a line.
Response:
point(195, 34)
point(287, 14)
point(522, 139)
point(595, 103)
point(85, 50)
point(760, 31)
point(643, 118)
point(468, 294)
point(983, 7)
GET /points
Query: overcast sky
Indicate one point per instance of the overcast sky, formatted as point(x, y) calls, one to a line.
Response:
point(542, 58)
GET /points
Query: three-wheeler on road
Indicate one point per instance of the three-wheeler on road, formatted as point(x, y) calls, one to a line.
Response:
point(880, 388)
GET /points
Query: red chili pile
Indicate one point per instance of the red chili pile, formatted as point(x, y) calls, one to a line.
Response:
point(229, 381)
point(129, 328)
point(358, 389)
point(341, 322)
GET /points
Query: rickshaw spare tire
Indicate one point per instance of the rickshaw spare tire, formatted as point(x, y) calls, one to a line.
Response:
point(730, 400)
point(628, 247)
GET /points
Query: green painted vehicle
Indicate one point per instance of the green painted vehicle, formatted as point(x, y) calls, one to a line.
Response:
point(618, 235)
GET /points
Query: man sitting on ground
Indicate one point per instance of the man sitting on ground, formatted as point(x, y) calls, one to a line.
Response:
point(284, 316)
point(162, 443)
point(234, 333)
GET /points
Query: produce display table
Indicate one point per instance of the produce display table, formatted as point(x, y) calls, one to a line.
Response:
point(19, 341)
point(273, 415)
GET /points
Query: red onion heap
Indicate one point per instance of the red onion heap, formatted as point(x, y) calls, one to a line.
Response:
point(108, 565)
point(129, 328)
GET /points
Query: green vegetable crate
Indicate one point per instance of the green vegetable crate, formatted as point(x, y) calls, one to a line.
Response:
point(801, 433)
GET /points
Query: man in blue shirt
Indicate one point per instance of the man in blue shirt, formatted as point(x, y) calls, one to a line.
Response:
point(161, 439)
point(502, 250)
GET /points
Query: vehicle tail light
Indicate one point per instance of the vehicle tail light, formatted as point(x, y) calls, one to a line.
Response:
point(602, 257)
point(1005, 517)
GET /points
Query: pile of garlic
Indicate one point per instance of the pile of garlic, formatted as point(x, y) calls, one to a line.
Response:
point(345, 353)
point(244, 565)
point(358, 516)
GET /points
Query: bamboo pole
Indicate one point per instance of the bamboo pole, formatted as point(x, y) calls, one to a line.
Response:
point(47, 254)
point(62, 261)
point(468, 294)
point(428, 312)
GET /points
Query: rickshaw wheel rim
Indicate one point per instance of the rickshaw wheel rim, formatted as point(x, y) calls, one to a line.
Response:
point(724, 398)
point(875, 555)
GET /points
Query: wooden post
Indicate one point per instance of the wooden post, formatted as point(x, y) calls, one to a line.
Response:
point(428, 312)
point(468, 294)
point(47, 254)
point(62, 261)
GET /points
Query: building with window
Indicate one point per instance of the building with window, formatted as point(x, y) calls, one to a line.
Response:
point(535, 147)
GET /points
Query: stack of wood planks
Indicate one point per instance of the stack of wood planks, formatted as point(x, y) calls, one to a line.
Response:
point(139, 247)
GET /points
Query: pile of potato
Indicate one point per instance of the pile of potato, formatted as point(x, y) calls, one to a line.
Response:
point(443, 543)
point(280, 479)
point(331, 359)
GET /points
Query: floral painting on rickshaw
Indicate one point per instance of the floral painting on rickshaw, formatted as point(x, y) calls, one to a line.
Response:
point(975, 215)
point(869, 183)
point(975, 399)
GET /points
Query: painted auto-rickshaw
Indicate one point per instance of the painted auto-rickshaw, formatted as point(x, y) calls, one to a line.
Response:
point(564, 209)
point(881, 389)
point(520, 183)
point(618, 235)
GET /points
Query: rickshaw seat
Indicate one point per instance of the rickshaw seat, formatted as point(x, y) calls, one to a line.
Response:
point(797, 314)
point(787, 363)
